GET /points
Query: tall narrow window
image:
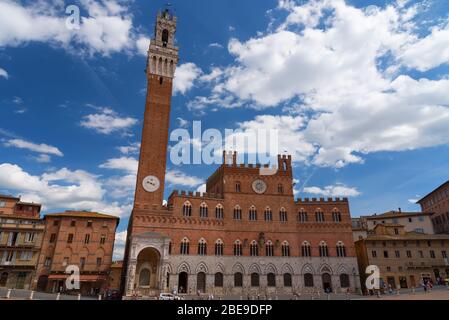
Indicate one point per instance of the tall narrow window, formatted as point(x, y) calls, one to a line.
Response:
point(87, 238)
point(252, 213)
point(238, 248)
point(285, 249)
point(219, 247)
point(319, 216)
point(254, 249)
point(280, 188)
point(341, 249)
point(184, 248)
point(336, 215)
point(187, 209)
point(306, 249)
point(237, 213)
point(302, 216)
point(283, 215)
point(202, 247)
point(238, 187)
point(268, 214)
point(324, 251)
point(219, 212)
point(269, 249)
point(203, 210)
point(165, 37)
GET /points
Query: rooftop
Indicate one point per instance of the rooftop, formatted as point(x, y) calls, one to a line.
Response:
point(396, 214)
point(82, 214)
point(439, 187)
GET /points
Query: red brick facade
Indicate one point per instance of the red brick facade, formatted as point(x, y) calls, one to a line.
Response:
point(157, 258)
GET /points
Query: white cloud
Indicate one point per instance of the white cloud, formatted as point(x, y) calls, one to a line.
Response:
point(4, 73)
point(182, 122)
point(61, 189)
point(124, 163)
point(185, 76)
point(429, 52)
point(133, 148)
point(43, 158)
point(143, 44)
point(179, 178)
point(343, 81)
point(216, 45)
point(107, 121)
point(120, 243)
point(201, 188)
point(108, 27)
point(39, 148)
point(333, 191)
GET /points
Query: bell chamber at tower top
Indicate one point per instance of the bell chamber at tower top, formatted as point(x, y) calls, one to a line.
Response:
point(163, 54)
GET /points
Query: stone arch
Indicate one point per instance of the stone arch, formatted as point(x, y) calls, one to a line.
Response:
point(184, 267)
point(201, 267)
point(342, 268)
point(307, 268)
point(270, 268)
point(287, 268)
point(254, 268)
point(219, 267)
point(238, 267)
point(325, 268)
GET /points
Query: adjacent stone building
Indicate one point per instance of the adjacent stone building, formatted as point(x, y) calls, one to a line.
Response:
point(21, 233)
point(419, 222)
point(405, 259)
point(437, 203)
point(245, 235)
point(81, 239)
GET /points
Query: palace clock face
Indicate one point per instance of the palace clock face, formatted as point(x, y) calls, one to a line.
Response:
point(259, 186)
point(151, 184)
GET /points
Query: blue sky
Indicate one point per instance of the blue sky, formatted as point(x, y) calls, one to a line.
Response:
point(358, 89)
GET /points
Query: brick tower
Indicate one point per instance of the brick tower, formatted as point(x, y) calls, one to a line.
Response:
point(161, 65)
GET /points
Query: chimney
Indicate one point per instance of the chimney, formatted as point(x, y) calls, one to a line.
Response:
point(399, 209)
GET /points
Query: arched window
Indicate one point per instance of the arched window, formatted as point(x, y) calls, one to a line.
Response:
point(144, 278)
point(319, 215)
point(280, 188)
point(324, 252)
point(269, 249)
point(268, 214)
point(184, 249)
point(283, 215)
point(285, 249)
point(164, 39)
point(202, 247)
point(203, 210)
point(287, 280)
point(238, 248)
point(308, 280)
point(219, 247)
point(218, 282)
point(254, 279)
point(271, 280)
point(306, 249)
point(341, 249)
point(336, 215)
point(237, 213)
point(219, 212)
point(252, 213)
point(254, 249)
point(302, 216)
point(238, 279)
point(344, 280)
point(187, 209)
point(238, 187)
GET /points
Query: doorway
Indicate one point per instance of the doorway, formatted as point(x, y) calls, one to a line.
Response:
point(327, 282)
point(3, 279)
point(201, 282)
point(183, 282)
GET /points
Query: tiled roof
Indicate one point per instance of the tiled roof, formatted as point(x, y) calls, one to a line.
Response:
point(408, 236)
point(81, 214)
point(4, 196)
point(396, 214)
